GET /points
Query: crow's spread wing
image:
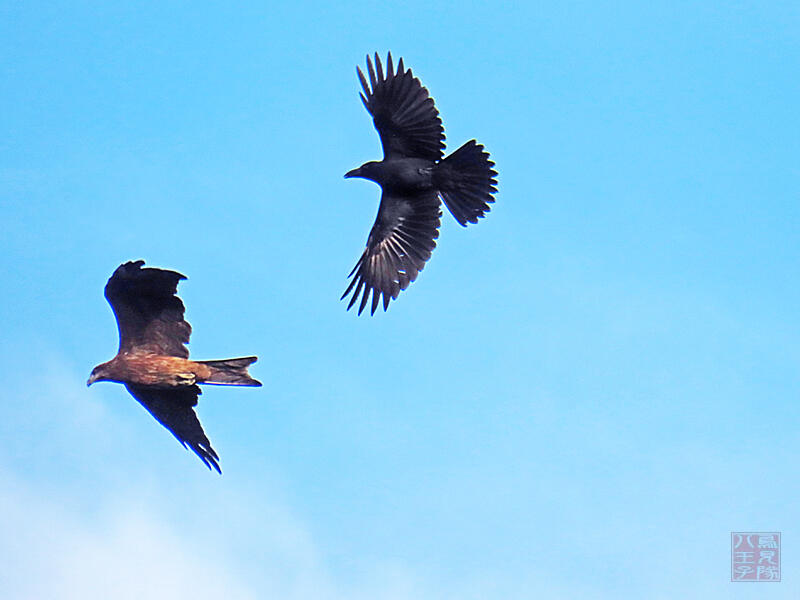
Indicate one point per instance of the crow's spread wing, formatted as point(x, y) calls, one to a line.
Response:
point(399, 244)
point(174, 409)
point(149, 314)
point(402, 110)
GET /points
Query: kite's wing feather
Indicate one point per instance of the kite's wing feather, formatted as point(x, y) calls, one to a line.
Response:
point(174, 409)
point(400, 243)
point(149, 314)
point(403, 112)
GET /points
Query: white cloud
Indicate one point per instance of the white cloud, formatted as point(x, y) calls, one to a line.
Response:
point(50, 550)
point(128, 548)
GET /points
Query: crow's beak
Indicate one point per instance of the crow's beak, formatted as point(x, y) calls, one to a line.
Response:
point(353, 173)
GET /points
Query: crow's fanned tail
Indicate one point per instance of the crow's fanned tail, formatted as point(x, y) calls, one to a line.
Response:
point(466, 182)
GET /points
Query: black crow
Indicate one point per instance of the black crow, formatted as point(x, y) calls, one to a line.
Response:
point(413, 176)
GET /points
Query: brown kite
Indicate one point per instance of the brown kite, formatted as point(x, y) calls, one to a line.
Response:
point(153, 362)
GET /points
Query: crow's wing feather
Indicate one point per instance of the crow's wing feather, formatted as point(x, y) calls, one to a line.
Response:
point(399, 244)
point(149, 314)
point(403, 112)
point(174, 409)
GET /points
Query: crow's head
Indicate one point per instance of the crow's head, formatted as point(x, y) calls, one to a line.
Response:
point(369, 170)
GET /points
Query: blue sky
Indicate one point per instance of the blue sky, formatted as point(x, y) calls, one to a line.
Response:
point(582, 396)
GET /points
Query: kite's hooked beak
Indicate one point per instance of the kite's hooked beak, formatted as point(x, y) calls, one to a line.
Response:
point(92, 379)
point(353, 173)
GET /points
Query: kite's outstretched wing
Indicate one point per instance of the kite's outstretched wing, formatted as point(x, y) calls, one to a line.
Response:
point(403, 112)
point(149, 314)
point(174, 409)
point(399, 244)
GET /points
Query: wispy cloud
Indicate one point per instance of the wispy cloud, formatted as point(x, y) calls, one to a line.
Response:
point(53, 551)
point(55, 547)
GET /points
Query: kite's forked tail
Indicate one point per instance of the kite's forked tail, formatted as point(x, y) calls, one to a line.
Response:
point(466, 182)
point(231, 371)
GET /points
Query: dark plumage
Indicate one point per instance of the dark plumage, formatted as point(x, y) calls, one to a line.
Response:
point(153, 361)
point(413, 177)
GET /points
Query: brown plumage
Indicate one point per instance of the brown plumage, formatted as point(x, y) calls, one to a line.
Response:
point(153, 361)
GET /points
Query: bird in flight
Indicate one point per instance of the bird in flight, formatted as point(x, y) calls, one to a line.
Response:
point(153, 361)
point(413, 176)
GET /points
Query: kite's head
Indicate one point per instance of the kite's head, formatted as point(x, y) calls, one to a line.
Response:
point(98, 374)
